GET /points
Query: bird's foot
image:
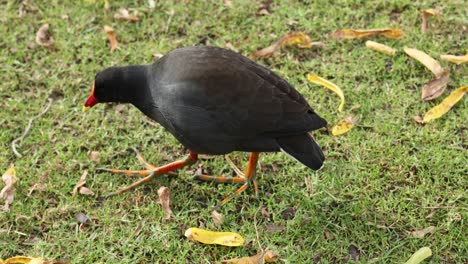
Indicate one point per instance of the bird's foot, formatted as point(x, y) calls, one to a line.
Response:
point(247, 178)
point(150, 172)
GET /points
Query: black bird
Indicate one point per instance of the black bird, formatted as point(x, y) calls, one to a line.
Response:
point(214, 101)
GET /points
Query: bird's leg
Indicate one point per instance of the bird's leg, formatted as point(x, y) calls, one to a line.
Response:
point(151, 171)
point(246, 178)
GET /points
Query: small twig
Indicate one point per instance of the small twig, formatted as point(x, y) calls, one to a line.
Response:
point(171, 14)
point(28, 128)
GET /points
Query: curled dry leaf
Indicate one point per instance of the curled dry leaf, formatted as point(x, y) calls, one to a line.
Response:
point(435, 87)
point(267, 256)
point(111, 37)
point(218, 218)
point(344, 125)
point(455, 59)
point(44, 37)
point(123, 14)
point(380, 47)
point(79, 187)
point(426, 60)
point(442, 108)
point(318, 80)
point(421, 233)
point(425, 14)
point(299, 38)
point(420, 255)
point(165, 201)
point(95, 156)
point(25, 260)
point(229, 239)
point(361, 33)
point(8, 191)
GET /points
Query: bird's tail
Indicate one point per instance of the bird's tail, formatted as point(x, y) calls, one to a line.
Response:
point(304, 149)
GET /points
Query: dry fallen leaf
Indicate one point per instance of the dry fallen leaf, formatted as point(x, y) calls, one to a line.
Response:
point(455, 59)
point(25, 260)
point(426, 60)
point(157, 56)
point(95, 156)
point(218, 218)
point(420, 255)
point(299, 38)
point(228, 3)
point(111, 37)
point(317, 80)
point(344, 125)
point(8, 191)
point(421, 233)
point(442, 108)
point(380, 47)
point(44, 37)
point(229, 239)
point(425, 14)
point(435, 87)
point(358, 33)
point(123, 14)
point(165, 201)
point(41, 185)
point(79, 187)
point(267, 256)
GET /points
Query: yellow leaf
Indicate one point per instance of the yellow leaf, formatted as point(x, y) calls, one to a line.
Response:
point(455, 59)
point(317, 80)
point(442, 108)
point(361, 33)
point(380, 47)
point(344, 125)
point(300, 38)
point(24, 260)
point(229, 239)
point(426, 60)
point(111, 37)
point(420, 255)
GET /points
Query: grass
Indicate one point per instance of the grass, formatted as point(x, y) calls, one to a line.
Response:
point(387, 177)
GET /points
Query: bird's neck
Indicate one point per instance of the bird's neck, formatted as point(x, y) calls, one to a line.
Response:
point(134, 86)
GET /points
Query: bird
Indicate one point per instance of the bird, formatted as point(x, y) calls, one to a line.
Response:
point(214, 101)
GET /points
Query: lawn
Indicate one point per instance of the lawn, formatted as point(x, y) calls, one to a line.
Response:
point(387, 177)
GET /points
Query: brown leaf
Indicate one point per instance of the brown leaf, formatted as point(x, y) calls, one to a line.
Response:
point(44, 37)
point(165, 201)
point(228, 3)
point(425, 14)
point(80, 182)
point(111, 37)
point(418, 119)
point(421, 233)
point(218, 218)
point(271, 257)
point(8, 191)
point(123, 14)
point(435, 87)
point(95, 156)
point(82, 218)
point(299, 38)
point(85, 191)
point(275, 228)
point(361, 33)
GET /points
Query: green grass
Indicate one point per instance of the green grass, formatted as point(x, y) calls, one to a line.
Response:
point(387, 177)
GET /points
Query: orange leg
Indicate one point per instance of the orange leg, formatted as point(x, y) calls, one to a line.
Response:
point(150, 172)
point(246, 178)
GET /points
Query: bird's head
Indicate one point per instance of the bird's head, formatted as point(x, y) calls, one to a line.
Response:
point(107, 87)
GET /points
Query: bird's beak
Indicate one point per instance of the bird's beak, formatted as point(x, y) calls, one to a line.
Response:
point(91, 101)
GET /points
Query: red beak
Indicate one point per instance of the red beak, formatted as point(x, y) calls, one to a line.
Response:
point(91, 101)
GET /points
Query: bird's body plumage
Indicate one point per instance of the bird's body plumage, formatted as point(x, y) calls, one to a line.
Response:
point(215, 101)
